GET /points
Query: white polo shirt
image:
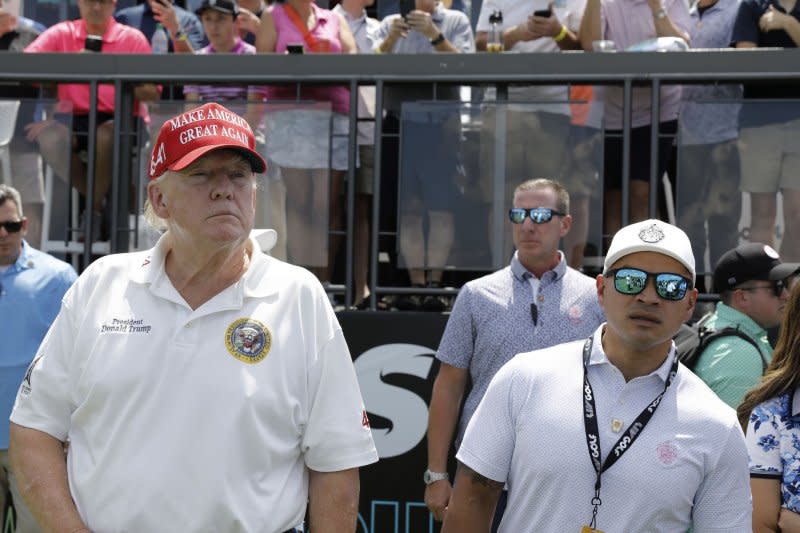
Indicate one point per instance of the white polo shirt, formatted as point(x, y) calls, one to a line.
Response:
point(199, 420)
point(687, 468)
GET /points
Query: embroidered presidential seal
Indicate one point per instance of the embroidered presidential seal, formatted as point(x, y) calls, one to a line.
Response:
point(651, 234)
point(248, 340)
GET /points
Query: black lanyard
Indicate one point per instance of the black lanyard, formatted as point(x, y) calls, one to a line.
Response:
point(593, 433)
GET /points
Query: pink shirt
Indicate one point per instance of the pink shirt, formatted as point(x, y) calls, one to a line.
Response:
point(69, 36)
point(326, 30)
point(627, 22)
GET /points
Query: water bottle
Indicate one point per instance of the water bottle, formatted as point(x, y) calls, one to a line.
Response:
point(159, 42)
point(495, 40)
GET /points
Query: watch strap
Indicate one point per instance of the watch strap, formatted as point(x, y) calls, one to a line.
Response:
point(438, 40)
point(432, 477)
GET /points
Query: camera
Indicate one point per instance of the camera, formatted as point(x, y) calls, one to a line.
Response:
point(294, 49)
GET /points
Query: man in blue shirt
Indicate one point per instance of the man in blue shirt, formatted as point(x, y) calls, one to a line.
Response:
point(32, 284)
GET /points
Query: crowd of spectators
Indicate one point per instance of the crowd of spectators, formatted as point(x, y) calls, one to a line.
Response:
point(579, 145)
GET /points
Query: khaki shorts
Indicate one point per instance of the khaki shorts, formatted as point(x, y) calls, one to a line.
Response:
point(770, 157)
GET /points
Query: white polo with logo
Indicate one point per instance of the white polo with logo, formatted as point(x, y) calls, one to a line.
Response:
point(688, 467)
point(196, 420)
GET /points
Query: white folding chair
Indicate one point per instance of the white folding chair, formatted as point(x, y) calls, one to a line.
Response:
point(8, 121)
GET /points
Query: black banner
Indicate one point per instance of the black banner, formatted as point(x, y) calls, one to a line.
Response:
point(393, 353)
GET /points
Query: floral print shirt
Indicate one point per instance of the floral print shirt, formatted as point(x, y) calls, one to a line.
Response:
point(773, 443)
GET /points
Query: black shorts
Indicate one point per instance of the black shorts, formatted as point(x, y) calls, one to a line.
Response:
point(640, 153)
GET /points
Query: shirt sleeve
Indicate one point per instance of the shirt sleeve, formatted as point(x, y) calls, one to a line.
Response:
point(47, 41)
point(462, 37)
point(488, 444)
point(458, 340)
point(745, 28)
point(44, 401)
point(723, 502)
point(337, 435)
point(763, 440)
point(730, 366)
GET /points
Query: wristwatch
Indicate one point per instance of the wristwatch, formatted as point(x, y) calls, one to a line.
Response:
point(180, 35)
point(438, 40)
point(660, 14)
point(432, 477)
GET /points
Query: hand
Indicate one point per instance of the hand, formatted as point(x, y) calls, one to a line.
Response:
point(34, 129)
point(164, 12)
point(421, 22)
point(788, 521)
point(772, 20)
point(247, 21)
point(437, 498)
point(8, 22)
point(398, 29)
point(544, 26)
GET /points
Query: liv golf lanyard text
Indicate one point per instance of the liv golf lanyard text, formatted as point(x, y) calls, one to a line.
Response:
point(624, 442)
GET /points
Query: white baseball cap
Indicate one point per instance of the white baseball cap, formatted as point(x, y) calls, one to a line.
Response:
point(651, 236)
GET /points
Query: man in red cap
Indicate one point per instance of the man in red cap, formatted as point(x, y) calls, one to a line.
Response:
point(203, 385)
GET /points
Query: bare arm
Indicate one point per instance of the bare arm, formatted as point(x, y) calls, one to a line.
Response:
point(38, 463)
point(775, 20)
point(333, 500)
point(473, 502)
point(766, 504)
point(664, 25)
point(789, 522)
point(346, 37)
point(590, 25)
point(448, 389)
point(267, 36)
point(511, 36)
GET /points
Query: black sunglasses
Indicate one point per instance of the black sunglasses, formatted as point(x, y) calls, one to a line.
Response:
point(632, 281)
point(539, 215)
point(777, 286)
point(11, 226)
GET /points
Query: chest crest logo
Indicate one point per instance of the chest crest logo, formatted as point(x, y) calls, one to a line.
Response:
point(248, 340)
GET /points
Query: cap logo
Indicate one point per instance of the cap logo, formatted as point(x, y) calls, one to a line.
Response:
point(651, 234)
point(770, 251)
point(161, 156)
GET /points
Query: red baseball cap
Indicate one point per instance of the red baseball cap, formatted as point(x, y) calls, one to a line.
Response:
point(190, 135)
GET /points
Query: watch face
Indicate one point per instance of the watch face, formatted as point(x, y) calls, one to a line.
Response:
point(426, 477)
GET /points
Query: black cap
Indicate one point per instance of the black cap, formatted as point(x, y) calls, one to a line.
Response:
point(751, 261)
point(230, 7)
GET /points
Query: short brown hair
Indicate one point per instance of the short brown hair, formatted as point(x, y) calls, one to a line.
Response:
point(562, 196)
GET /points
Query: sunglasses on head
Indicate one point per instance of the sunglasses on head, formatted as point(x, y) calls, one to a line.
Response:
point(11, 226)
point(632, 281)
point(777, 286)
point(539, 215)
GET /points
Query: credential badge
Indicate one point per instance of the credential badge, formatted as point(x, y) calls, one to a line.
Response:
point(651, 234)
point(248, 340)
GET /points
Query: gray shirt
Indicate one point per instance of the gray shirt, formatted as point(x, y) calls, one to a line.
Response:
point(455, 27)
point(491, 321)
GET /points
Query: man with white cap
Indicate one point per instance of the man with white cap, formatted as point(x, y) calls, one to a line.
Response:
point(202, 385)
point(753, 285)
point(611, 433)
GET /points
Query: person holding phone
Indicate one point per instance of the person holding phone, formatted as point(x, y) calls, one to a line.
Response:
point(63, 137)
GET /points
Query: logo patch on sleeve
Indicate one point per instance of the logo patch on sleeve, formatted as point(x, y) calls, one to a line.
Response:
point(248, 340)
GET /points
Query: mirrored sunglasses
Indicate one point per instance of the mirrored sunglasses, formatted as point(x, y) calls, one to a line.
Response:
point(539, 215)
point(11, 226)
point(632, 281)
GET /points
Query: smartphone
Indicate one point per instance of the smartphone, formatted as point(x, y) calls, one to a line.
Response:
point(546, 13)
point(93, 43)
point(406, 7)
point(294, 49)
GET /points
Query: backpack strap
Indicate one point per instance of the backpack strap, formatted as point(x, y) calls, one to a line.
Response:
point(707, 336)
